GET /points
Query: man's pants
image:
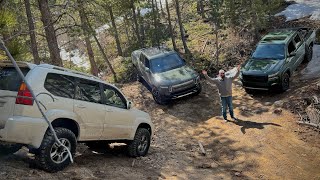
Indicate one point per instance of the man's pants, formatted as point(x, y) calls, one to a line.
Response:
point(227, 101)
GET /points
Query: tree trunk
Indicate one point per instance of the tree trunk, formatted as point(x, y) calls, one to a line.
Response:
point(161, 8)
point(136, 22)
point(201, 9)
point(86, 31)
point(158, 30)
point(183, 38)
point(102, 51)
point(170, 26)
point(115, 31)
point(106, 58)
point(143, 36)
point(155, 21)
point(51, 37)
point(217, 46)
point(34, 47)
point(126, 27)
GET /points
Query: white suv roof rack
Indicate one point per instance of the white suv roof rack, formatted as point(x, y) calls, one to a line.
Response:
point(49, 66)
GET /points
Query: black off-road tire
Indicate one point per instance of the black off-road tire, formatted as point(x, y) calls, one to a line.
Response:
point(133, 146)
point(309, 53)
point(285, 82)
point(249, 91)
point(158, 98)
point(43, 158)
point(9, 148)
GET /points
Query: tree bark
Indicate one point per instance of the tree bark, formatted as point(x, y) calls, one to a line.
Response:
point(136, 22)
point(126, 27)
point(46, 18)
point(183, 38)
point(106, 58)
point(34, 47)
point(141, 22)
point(115, 31)
point(155, 21)
point(170, 26)
point(201, 9)
point(84, 25)
point(161, 8)
point(102, 51)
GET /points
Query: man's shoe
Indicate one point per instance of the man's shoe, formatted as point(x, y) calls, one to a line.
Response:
point(234, 118)
point(225, 119)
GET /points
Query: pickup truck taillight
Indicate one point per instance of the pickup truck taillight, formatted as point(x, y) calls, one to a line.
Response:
point(24, 95)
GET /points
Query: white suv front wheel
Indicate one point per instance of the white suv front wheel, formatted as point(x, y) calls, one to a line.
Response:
point(52, 157)
point(141, 143)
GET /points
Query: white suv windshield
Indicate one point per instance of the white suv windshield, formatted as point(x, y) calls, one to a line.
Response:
point(10, 79)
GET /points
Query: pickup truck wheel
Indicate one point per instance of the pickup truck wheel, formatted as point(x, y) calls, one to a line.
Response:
point(138, 77)
point(158, 97)
point(140, 144)
point(249, 91)
point(51, 156)
point(285, 84)
point(309, 53)
point(9, 148)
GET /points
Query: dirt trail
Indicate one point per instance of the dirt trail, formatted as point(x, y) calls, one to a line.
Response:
point(260, 145)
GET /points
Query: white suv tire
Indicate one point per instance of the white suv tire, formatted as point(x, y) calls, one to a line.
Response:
point(50, 156)
point(139, 146)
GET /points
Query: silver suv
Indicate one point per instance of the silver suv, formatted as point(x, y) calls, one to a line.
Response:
point(81, 108)
point(166, 73)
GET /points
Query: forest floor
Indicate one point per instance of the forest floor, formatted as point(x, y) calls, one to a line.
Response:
point(260, 145)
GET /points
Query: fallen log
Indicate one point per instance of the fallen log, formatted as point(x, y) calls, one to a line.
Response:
point(308, 123)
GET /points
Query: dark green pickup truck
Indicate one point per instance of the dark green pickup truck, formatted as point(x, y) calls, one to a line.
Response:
point(276, 57)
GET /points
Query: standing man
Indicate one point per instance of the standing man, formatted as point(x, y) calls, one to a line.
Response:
point(224, 84)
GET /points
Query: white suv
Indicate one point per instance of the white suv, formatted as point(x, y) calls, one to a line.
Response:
point(81, 108)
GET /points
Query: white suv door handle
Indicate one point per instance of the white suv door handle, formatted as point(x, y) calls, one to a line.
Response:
point(80, 106)
point(109, 110)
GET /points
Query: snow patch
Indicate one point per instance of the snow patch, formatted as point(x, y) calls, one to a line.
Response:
point(313, 68)
point(75, 57)
point(303, 8)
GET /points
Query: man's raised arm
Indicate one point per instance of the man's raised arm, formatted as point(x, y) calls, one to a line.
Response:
point(213, 80)
point(234, 76)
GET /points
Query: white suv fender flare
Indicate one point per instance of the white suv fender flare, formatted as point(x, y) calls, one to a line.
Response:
point(53, 115)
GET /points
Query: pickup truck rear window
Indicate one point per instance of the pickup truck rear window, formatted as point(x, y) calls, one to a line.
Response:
point(269, 51)
point(10, 79)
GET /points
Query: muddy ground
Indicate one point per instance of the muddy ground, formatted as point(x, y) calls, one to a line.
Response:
point(261, 145)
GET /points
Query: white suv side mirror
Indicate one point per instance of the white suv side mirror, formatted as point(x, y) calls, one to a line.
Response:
point(129, 105)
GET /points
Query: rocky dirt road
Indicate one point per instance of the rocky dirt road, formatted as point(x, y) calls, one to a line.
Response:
point(261, 145)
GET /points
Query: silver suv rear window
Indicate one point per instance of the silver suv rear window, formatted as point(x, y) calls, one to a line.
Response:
point(10, 79)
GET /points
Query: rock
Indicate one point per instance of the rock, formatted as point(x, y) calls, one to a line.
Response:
point(268, 104)
point(278, 103)
point(277, 111)
point(214, 165)
point(258, 111)
point(243, 108)
point(237, 174)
